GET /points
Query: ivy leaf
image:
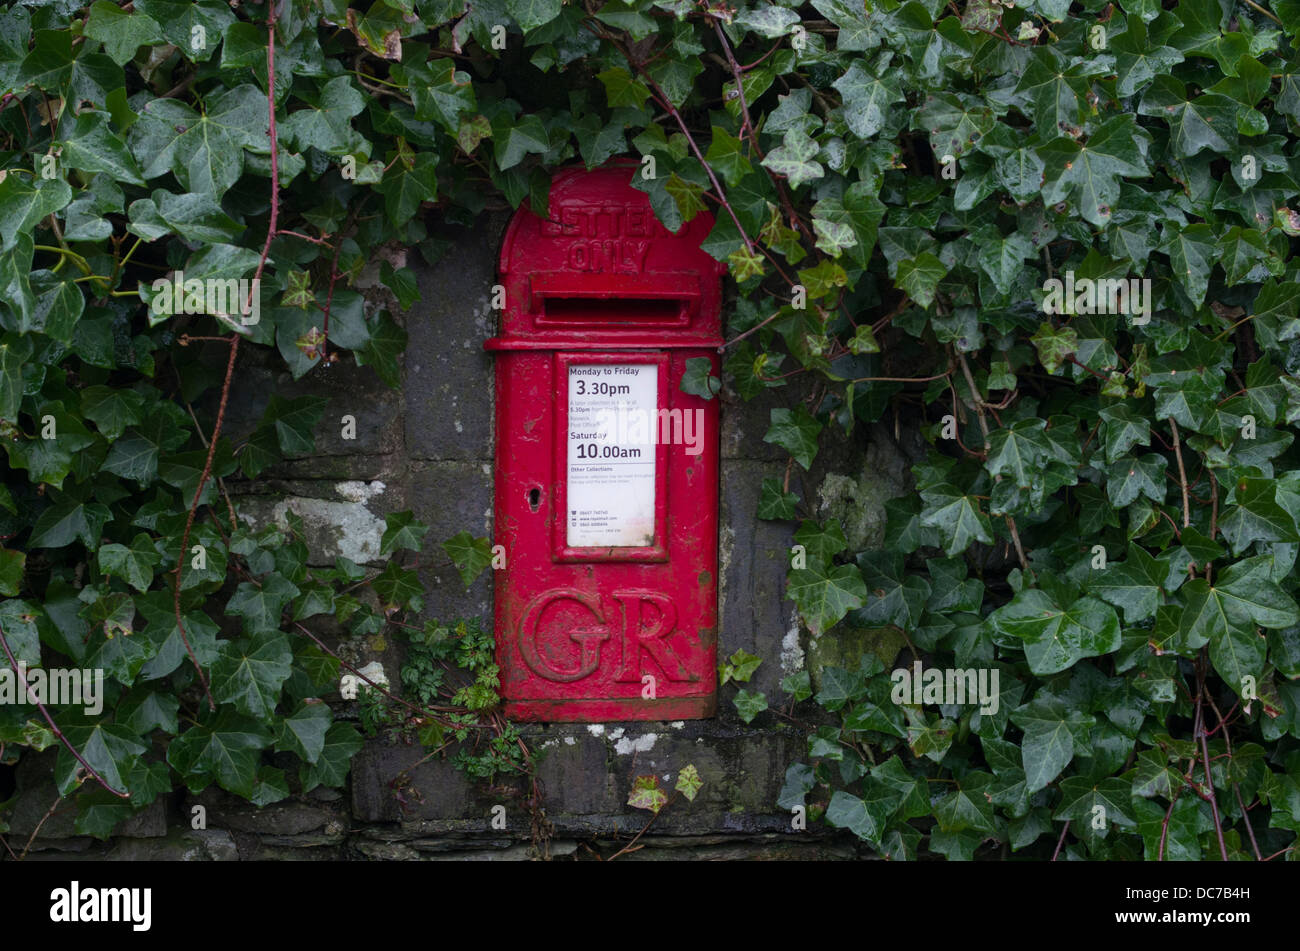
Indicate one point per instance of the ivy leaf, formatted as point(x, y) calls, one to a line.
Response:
point(865, 817)
point(194, 216)
point(121, 33)
point(825, 594)
point(957, 516)
point(1003, 260)
point(250, 672)
point(1137, 60)
point(110, 748)
point(1130, 477)
point(840, 687)
point(68, 520)
point(725, 156)
point(303, 731)
point(956, 122)
point(12, 357)
point(327, 126)
point(920, 277)
point(1243, 597)
point(1239, 656)
point(1208, 122)
point(698, 378)
point(227, 750)
point(19, 619)
point(968, 806)
point(646, 794)
point(796, 432)
point(1081, 798)
point(768, 21)
point(620, 90)
point(1054, 345)
point(204, 150)
point(745, 263)
point(1133, 585)
point(23, 203)
point(178, 21)
point(749, 704)
point(387, 342)
point(1055, 638)
point(402, 530)
point(134, 564)
point(441, 93)
point(1123, 430)
point(795, 159)
point(866, 99)
point(1256, 516)
point(1192, 252)
point(1091, 171)
point(1054, 733)
point(686, 195)
point(295, 419)
point(262, 605)
point(342, 742)
point(1018, 451)
point(776, 504)
point(740, 667)
point(530, 14)
point(405, 187)
point(688, 781)
point(12, 565)
point(396, 586)
point(165, 635)
point(91, 146)
point(112, 409)
point(470, 555)
point(271, 786)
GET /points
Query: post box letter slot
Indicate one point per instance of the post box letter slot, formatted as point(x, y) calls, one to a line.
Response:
point(626, 310)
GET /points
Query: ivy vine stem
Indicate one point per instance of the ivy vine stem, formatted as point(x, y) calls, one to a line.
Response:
point(984, 428)
point(1198, 728)
point(54, 727)
point(1182, 473)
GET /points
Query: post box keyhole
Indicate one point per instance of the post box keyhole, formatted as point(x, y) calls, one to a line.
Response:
point(534, 498)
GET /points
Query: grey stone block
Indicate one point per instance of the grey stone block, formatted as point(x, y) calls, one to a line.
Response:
point(448, 383)
point(754, 556)
point(286, 818)
point(451, 497)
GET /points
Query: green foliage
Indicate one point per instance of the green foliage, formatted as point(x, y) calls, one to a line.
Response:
point(921, 172)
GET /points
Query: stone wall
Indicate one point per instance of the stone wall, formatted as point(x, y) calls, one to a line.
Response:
point(429, 447)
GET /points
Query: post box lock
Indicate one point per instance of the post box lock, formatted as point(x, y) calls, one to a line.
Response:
point(606, 497)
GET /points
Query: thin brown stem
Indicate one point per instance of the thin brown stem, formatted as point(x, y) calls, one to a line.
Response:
point(54, 727)
point(1182, 473)
point(37, 831)
point(1061, 841)
point(984, 428)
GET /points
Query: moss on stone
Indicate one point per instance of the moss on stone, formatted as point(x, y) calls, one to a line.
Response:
point(844, 647)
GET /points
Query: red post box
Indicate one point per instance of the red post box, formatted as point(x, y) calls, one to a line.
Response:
point(606, 472)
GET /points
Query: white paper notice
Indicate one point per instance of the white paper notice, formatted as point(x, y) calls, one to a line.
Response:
point(611, 487)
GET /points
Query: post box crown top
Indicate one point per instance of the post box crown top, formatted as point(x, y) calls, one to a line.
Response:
point(602, 270)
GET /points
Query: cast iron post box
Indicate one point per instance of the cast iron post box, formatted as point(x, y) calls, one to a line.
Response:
point(606, 472)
